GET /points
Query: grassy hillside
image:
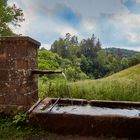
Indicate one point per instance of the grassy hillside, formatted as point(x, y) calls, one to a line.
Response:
point(130, 73)
point(124, 85)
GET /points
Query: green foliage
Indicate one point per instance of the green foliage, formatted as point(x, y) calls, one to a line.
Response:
point(53, 88)
point(48, 60)
point(88, 57)
point(75, 73)
point(80, 55)
point(85, 59)
point(60, 47)
point(89, 47)
point(134, 60)
point(9, 15)
point(124, 63)
point(66, 47)
point(17, 127)
point(19, 119)
point(51, 61)
point(86, 65)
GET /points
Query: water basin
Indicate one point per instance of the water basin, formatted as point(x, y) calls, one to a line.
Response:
point(93, 110)
point(82, 117)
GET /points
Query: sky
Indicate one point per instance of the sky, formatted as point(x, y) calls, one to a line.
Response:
point(115, 22)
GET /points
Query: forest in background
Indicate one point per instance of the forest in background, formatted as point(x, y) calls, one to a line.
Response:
point(85, 59)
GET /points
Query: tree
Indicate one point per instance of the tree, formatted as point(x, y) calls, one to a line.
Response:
point(124, 63)
point(9, 15)
point(134, 60)
point(66, 47)
point(60, 47)
point(98, 46)
point(89, 47)
point(86, 65)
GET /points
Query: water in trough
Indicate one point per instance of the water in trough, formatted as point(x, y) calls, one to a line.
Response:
point(93, 110)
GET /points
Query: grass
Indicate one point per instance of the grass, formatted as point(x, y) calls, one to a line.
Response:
point(16, 128)
point(124, 86)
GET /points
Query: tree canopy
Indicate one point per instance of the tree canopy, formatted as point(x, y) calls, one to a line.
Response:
point(9, 16)
point(89, 57)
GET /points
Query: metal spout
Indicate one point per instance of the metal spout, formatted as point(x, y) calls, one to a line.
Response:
point(42, 72)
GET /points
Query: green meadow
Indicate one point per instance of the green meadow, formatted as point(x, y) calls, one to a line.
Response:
point(124, 86)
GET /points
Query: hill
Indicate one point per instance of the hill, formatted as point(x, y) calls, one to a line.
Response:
point(130, 73)
point(121, 52)
point(124, 86)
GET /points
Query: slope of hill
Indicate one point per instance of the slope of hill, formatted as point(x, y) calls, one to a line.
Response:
point(121, 52)
point(130, 73)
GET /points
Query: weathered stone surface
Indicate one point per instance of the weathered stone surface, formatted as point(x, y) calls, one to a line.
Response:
point(2, 99)
point(4, 75)
point(18, 55)
point(22, 63)
point(4, 87)
point(2, 53)
point(12, 109)
point(18, 75)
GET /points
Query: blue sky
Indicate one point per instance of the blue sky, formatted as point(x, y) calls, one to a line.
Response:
point(115, 22)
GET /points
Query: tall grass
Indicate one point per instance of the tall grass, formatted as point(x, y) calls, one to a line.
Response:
point(124, 85)
point(104, 89)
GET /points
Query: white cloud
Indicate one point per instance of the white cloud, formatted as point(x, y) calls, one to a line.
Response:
point(63, 29)
point(89, 24)
point(41, 23)
point(45, 29)
point(93, 8)
point(46, 46)
point(127, 28)
point(134, 37)
point(137, 1)
point(13, 2)
point(89, 10)
point(29, 15)
point(128, 19)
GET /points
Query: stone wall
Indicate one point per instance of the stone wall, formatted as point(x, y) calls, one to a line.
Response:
point(18, 88)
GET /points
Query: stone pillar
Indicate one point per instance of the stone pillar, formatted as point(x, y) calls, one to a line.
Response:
point(18, 88)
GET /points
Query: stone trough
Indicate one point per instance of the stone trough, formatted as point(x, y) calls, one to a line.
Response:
point(82, 117)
